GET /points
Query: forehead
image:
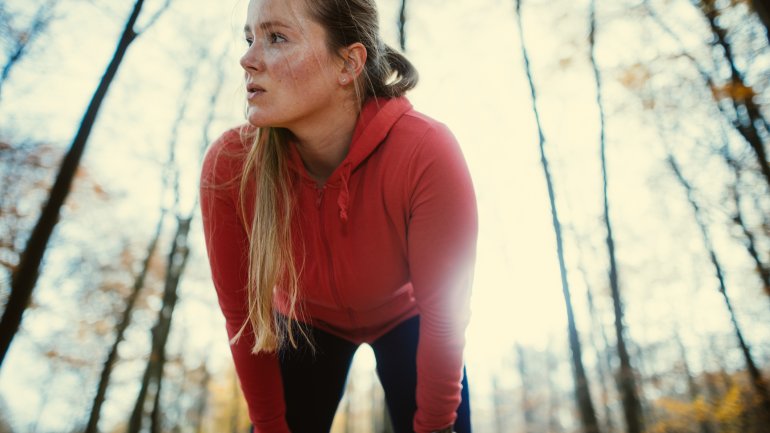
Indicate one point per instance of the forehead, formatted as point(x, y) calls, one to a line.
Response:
point(287, 12)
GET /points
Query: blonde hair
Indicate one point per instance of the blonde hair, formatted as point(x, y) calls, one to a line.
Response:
point(271, 241)
point(271, 261)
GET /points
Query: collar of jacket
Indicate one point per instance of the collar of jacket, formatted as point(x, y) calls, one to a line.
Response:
point(378, 115)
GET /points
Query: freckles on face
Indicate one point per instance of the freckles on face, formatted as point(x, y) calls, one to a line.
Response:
point(287, 59)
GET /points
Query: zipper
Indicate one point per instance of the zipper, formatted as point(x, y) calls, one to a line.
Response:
point(332, 280)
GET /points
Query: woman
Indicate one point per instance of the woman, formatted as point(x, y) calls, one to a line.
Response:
point(339, 216)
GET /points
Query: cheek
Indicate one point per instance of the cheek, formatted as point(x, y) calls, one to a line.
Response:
point(301, 68)
point(302, 72)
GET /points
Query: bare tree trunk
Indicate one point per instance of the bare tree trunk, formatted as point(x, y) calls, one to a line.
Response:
point(177, 261)
point(135, 422)
point(25, 276)
point(155, 416)
point(177, 417)
point(626, 379)
point(757, 381)
point(402, 26)
point(603, 353)
point(603, 363)
point(582, 390)
point(109, 363)
point(22, 41)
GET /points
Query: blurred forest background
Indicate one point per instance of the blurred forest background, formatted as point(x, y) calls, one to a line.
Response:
point(619, 152)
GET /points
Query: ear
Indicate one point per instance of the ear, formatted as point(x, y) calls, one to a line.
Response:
point(353, 62)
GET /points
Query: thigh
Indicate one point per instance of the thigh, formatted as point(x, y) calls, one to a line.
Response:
point(314, 381)
point(396, 354)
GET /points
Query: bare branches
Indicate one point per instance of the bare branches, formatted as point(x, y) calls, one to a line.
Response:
point(22, 39)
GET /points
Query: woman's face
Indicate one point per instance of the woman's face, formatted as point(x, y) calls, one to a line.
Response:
point(291, 76)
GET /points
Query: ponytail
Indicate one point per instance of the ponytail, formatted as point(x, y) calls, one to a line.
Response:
point(406, 73)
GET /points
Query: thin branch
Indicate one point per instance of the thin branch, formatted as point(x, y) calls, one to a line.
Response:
point(155, 16)
point(25, 38)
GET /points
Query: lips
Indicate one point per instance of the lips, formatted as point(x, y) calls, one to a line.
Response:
point(253, 90)
point(251, 87)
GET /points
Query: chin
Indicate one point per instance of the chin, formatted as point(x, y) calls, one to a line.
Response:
point(260, 119)
point(257, 120)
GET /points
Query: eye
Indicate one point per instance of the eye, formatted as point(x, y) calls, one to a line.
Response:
point(249, 41)
point(276, 38)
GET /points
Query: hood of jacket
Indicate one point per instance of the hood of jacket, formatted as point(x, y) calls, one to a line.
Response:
point(377, 117)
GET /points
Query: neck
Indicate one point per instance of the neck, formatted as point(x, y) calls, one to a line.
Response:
point(324, 143)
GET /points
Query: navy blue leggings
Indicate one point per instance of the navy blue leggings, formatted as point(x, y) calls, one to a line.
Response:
point(314, 383)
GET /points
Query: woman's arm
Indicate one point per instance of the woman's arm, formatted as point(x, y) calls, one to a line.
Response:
point(227, 247)
point(442, 236)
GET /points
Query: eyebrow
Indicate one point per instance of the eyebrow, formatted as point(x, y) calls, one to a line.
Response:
point(266, 25)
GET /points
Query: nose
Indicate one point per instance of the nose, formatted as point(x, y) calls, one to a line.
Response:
point(251, 60)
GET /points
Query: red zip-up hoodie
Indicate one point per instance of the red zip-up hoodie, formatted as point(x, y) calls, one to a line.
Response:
point(390, 235)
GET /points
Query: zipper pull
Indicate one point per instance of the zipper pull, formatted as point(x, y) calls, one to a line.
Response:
point(319, 196)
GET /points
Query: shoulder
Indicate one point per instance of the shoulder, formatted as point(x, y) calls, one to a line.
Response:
point(224, 157)
point(423, 136)
point(423, 140)
point(428, 155)
point(420, 125)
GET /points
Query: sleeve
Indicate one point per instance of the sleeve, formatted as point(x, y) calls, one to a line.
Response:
point(227, 248)
point(442, 234)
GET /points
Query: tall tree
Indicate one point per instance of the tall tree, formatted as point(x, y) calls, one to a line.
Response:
point(153, 375)
point(125, 320)
point(175, 266)
point(26, 274)
point(757, 381)
point(152, 380)
point(625, 377)
point(603, 354)
point(582, 390)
